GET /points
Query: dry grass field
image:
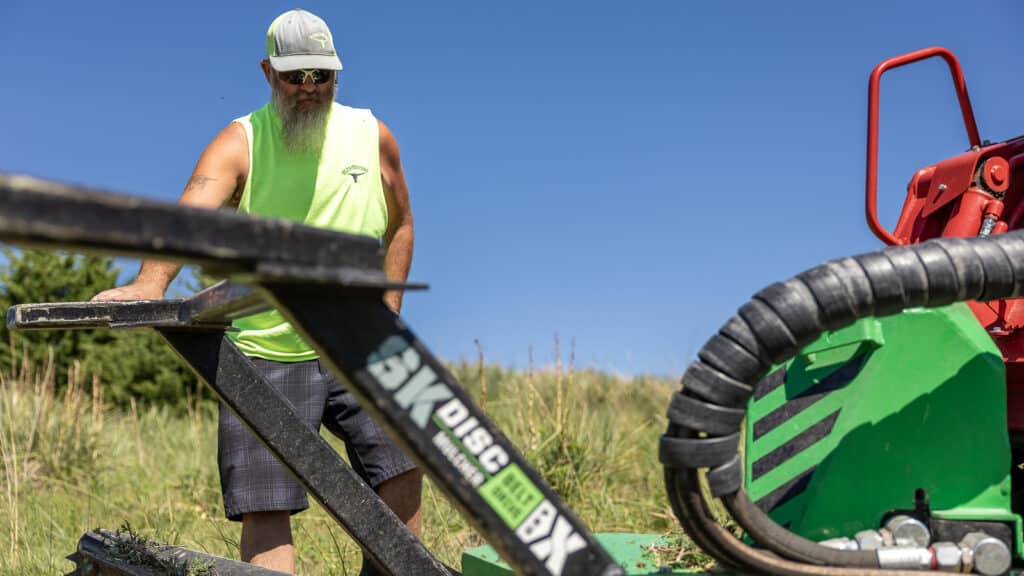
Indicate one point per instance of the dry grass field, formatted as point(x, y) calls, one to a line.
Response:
point(71, 464)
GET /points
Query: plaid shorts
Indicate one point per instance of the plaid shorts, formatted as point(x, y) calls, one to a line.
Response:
point(251, 477)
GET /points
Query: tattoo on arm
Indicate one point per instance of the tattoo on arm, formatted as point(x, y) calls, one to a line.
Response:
point(198, 182)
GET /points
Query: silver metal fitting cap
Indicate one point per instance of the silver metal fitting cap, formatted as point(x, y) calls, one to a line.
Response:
point(991, 555)
point(869, 539)
point(908, 531)
point(947, 556)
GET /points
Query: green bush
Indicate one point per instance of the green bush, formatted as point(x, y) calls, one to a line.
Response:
point(132, 364)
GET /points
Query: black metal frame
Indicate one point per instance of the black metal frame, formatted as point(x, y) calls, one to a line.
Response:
point(97, 556)
point(329, 285)
point(195, 329)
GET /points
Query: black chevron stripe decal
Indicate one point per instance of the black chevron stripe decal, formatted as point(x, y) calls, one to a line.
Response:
point(834, 381)
point(786, 492)
point(770, 383)
point(794, 446)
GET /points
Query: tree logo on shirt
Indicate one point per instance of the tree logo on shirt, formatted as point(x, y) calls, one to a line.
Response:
point(355, 171)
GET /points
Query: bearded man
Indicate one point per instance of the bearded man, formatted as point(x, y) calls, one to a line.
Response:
point(306, 158)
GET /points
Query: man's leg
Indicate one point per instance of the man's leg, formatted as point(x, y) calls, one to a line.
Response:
point(267, 540)
point(258, 490)
point(375, 458)
point(402, 494)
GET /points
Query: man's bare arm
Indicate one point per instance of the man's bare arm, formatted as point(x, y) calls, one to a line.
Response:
point(398, 239)
point(217, 180)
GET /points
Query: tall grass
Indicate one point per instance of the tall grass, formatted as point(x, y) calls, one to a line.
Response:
point(44, 438)
point(70, 464)
point(592, 435)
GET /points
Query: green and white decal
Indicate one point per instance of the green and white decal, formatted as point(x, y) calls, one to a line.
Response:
point(474, 452)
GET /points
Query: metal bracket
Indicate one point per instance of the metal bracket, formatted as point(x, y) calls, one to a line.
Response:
point(210, 309)
point(97, 556)
point(43, 213)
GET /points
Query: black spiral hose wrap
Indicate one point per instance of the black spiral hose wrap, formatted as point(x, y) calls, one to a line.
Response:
point(705, 416)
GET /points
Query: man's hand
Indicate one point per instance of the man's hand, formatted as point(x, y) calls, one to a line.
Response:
point(134, 291)
point(393, 299)
point(218, 176)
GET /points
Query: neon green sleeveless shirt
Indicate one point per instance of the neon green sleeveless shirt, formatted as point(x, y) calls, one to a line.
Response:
point(339, 189)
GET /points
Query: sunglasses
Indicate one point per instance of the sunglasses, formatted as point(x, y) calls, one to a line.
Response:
point(298, 77)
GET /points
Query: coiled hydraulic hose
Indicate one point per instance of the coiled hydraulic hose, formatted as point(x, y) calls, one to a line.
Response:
point(705, 416)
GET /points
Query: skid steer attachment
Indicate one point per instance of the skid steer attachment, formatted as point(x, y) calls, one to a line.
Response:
point(325, 283)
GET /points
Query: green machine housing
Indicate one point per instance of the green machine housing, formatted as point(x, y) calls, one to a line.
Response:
point(897, 415)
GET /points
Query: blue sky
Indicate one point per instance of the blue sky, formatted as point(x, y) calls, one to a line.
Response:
point(623, 174)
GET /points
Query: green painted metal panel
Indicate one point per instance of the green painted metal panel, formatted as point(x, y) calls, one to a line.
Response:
point(869, 413)
point(631, 551)
point(863, 417)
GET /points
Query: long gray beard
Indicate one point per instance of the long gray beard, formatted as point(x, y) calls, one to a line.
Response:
point(302, 131)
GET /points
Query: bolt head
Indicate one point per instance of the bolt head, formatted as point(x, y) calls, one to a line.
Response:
point(997, 174)
point(868, 539)
point(947, 556)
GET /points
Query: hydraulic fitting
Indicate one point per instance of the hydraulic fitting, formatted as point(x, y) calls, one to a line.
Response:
point(905, 558)
point(870, 539)
point(842, 543)
point(947, 556)
point(908, 531)
point(989, 556)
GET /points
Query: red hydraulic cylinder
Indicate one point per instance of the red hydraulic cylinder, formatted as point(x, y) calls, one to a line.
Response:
point(972, 209)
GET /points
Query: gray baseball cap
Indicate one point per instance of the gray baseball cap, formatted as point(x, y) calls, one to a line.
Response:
point(301, 40)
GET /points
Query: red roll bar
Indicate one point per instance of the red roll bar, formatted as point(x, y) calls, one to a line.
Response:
point(871, 188)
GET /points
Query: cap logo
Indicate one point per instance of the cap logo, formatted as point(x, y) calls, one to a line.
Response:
point(320, 37)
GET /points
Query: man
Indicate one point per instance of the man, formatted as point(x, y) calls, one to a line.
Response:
point(309, 159)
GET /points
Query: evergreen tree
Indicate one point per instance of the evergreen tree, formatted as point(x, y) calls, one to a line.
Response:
point(131, 363)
